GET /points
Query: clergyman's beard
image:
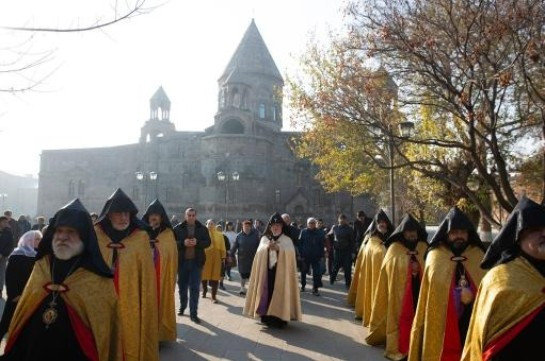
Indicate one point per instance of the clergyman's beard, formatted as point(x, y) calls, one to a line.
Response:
point(66, 250)
point(458, 243)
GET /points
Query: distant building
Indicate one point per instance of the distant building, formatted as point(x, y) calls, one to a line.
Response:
point(18, 194)
point(181, 168)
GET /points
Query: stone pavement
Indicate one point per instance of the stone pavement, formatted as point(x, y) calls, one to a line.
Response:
point(328, 331)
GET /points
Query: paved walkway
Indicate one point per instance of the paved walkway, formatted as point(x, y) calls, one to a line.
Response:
point(328, 331)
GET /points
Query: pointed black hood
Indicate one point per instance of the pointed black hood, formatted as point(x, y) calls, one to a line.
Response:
point(456, 219)
point(120, 202)
point(276, 218)
point(505, 247)
point(408, 223)
point(380, 216)
point(76, 216)
point(156, 207)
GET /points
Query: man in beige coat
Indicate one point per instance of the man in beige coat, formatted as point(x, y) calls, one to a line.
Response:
point(273, 292)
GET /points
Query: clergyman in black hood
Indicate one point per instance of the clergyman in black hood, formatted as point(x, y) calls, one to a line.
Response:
point(125, 246)
point(70, 290)
point(449, 283)
point(165, 258)
point(509, 315)
point(396, 295)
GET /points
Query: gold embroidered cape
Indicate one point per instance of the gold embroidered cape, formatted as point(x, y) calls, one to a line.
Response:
point(94, 301)
point(136, 286)
point(373, 254)
point(509, 294)
point(214, 255)
point(384, 326)
point(168, 256)
point(429, 324)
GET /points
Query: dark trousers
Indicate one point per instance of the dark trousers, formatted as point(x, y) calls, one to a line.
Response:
point(316, 273)
point(342, 259)
point(189, 277)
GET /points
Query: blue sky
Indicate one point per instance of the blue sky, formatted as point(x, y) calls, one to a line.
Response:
point(98, 84)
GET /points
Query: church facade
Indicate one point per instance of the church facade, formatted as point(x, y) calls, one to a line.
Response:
point(241, 167)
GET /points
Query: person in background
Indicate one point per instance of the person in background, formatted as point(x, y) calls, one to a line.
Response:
point(244, 248)
point(232, 236)
point(24, 225)
point(311, 249)
point(215, 256)
point(224, 263)
point(14, 227)
point(40, 224)
point(6, 246)
point(20, 265)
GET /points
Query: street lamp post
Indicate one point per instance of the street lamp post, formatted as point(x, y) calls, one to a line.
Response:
point(406, 129)
point(3, 196)
point(145, 177)
point(225, 178)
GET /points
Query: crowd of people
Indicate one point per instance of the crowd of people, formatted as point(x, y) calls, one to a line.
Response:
point(102, 286)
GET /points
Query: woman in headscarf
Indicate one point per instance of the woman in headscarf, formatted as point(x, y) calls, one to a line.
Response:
point(215, 256)
point(20, 265)
point(273, 292)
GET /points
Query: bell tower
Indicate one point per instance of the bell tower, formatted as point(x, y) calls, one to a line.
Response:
point(159, 124)
point(250, 88)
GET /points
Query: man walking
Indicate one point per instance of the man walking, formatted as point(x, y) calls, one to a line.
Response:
point(311, 248)
point(343, 248)
point(192, 238)
point(245, 247)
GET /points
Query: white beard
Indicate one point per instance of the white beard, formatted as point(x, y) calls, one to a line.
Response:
point(67, 251)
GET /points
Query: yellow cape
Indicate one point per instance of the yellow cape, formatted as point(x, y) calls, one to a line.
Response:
point(285, 303)
point(353, 291)
point(373, 254)
point(214, 255)
point(387, 304)
point(136, 287)
point(92, 297)
point(168, 251)
point(508, 294)
point(428, 331)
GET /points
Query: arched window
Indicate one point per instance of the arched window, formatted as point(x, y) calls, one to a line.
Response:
point(232, 126)
point(71, 189)
point(236, 98)
point(81, 188)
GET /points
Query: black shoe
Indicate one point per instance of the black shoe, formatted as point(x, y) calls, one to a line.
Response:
point(181, 312)
point(196, 319)
point(331, 281)
point(303, 289)
point(315, 292)
point(222, 287)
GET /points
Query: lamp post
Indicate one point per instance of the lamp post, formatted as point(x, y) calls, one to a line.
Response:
point(406, 129)
point(3, 196)
point(145, 177)
point(226, 178)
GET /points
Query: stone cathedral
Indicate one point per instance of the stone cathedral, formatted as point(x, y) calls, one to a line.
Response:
point(241, 167)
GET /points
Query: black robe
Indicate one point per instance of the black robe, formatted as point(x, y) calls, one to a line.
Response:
point(17, 274)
